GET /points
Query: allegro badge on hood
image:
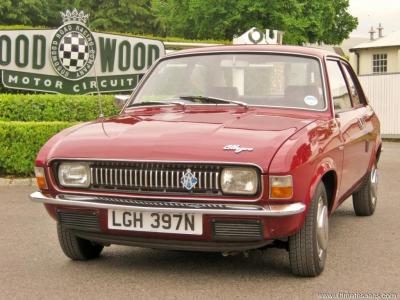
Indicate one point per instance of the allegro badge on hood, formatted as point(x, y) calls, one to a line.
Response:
point(237, 148)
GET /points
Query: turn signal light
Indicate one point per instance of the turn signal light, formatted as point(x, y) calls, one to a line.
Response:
point(40, 178)
point(281, 187)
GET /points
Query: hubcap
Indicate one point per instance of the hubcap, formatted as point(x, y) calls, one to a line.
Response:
point(374, 186)
point(322, 227)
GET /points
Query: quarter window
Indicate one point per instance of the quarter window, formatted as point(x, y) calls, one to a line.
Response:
point(339, 92)
point(352, 86)
point(379, 63)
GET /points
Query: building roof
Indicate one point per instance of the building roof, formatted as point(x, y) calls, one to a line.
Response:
point(390, 40)
point(343, 48)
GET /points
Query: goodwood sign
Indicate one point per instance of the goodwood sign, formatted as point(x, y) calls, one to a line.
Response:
point(74, 60)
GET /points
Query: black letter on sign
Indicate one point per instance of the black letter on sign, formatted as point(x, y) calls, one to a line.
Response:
point(107, 54)
point(138, 220)
point(124, 51)
point(22, 59)
point(189, 222)
point(139, 56)
point(127, 222)
point(5, 47)
point(39, 51)
point(153, 53)
point(113, 219)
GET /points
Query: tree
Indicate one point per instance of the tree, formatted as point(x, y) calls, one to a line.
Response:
point(23, 12)
point(302, 20)
point(119, 15)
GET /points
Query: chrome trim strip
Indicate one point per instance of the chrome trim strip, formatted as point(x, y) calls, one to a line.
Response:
point(276, 210)
point(91, 176)
point(151, 178)
point(136, 180)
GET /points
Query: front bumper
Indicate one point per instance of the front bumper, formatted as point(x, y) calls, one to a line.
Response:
point(275, 210)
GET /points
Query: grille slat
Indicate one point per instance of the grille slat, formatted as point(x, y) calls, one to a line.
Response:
point(77, 220)
point(238, 231)
point(154, 177)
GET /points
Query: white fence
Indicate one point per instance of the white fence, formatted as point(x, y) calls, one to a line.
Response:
point(383, 92)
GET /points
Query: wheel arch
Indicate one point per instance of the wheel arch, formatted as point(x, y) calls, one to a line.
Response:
point(329, 180)
point(327, 174)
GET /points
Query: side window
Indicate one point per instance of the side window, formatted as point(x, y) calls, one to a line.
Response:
point(352, 86)
point(379, 63)
point(339, 92)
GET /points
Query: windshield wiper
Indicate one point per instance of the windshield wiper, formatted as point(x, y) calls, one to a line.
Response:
point(214, 100)
point(157, 103)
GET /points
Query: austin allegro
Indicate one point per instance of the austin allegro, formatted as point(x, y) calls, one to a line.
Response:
point(223, 149)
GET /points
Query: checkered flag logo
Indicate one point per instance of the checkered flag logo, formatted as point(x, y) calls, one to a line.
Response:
point(73, 51)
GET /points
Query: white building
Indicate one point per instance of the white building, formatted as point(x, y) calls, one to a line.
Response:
point(380, 55)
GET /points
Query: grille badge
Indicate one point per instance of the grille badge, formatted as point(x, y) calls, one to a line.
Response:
point(188, 180)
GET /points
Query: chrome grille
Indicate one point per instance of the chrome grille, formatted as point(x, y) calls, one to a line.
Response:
point(154, 177)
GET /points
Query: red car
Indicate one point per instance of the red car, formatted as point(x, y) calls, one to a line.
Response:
point(222, 149)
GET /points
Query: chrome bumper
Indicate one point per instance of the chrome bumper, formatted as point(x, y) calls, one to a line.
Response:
point(276, 210)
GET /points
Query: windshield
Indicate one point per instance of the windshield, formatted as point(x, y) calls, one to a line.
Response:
point(254, 79)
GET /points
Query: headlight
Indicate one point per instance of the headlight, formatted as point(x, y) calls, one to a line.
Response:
point(74, 174)
point(281, 187)
point(239, 180)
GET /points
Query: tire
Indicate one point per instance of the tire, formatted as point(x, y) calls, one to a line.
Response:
point(364, 200)
point(308, 247)
point(77, 248)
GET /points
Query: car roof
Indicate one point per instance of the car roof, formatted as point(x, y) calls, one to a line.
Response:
point(300, 50)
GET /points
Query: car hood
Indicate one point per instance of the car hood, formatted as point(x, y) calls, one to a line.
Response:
point(170, 134)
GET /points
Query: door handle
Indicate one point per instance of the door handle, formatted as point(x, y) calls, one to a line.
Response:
point(361, 123)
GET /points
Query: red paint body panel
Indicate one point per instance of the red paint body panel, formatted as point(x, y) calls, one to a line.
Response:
point(301, 143)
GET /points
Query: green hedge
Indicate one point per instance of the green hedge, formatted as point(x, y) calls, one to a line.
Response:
point(21, 141)
point(53, 107)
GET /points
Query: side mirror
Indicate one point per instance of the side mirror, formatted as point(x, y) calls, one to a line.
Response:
point(120, 100)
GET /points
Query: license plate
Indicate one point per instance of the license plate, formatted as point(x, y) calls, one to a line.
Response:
point(178, 223)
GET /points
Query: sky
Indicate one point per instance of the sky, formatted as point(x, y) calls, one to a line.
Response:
point(372, 12)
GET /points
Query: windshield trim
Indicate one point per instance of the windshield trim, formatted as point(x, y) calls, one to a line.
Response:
point(258, 52)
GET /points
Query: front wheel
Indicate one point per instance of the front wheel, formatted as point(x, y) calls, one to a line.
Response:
point(308, 247)
point(75, 247)
point(364, 200)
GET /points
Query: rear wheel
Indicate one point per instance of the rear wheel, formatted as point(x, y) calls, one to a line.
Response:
point(77, 248)
point(308, 247)
point(364, 200)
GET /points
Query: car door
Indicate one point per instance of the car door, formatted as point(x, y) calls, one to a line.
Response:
point(365, 115)
point(348, 119)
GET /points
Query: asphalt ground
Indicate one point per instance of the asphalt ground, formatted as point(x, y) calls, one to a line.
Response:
point(363, 257)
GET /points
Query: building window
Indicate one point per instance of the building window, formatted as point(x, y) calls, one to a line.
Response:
point(379, 63)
